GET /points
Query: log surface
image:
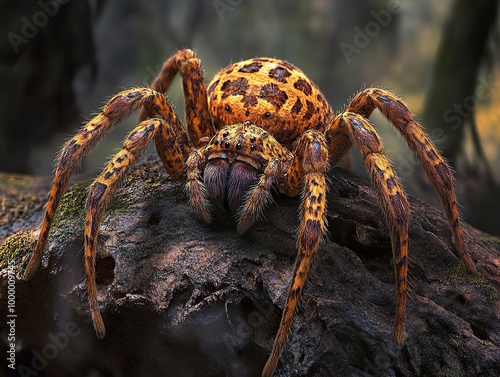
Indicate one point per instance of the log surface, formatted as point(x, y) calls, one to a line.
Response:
point(183, 298)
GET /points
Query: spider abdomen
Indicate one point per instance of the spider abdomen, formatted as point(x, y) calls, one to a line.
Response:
point(270, 93)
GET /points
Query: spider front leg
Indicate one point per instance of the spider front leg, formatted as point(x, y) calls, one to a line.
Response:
point(310, 164)
point(433, 164)
point(100, 194)
point(195, 187)
point(171, 145)
point(117, 109)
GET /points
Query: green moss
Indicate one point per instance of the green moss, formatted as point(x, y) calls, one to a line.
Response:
point(118, 204)
point(138, 188)
point(485, 343)
point(70, 213)
point(69, 216)
point(459, 275)
point(18, 182)
point(17, 200)
point(72, 204)
point(15, 246)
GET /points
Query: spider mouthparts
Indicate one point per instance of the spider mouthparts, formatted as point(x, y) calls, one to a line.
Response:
point(215, 178)
point(241, 178)
point(227, 184)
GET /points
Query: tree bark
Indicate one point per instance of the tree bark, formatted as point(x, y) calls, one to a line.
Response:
point(183, 298)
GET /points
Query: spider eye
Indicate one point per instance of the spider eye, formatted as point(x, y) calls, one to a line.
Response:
point(238, 146)
point(267, 115)
point(225, 133)
point(228, 108)
point(227, 145)
point(252, 139)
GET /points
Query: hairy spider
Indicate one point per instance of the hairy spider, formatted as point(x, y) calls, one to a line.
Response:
point(261, 123)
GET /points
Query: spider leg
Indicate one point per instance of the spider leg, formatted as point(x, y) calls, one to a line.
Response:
point(101, 193)
point(393, 202)
point(195, 186)
point(433, 164)
point(198, 121)
point(312, 151)
point(259, 196)
point(117, 109)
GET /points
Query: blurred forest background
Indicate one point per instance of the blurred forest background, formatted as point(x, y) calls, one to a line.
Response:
point(60, 61)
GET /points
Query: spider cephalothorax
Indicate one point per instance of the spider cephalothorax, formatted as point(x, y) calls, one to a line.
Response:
point(261, 124)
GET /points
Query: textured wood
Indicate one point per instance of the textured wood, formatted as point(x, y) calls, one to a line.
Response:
point(182, 298)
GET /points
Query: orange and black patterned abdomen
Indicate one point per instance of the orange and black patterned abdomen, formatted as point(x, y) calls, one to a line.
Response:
point(271, 94)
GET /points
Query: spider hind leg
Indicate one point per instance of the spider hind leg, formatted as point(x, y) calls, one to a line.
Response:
point(393, 202)
point(432, 163)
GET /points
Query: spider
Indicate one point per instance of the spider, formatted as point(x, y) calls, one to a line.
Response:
point(260, 123)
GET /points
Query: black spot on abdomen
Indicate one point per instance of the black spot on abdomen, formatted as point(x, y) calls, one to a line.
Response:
point(303, 86)
point(235, 88)
point(274, 95)
point(251, 68)
point(279, 73)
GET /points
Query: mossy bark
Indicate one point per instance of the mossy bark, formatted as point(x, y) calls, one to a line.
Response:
point(180, 297)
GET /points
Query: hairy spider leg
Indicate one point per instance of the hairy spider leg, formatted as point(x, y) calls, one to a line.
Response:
point(195, 187)
point(259, 196)
point(312, 150)
point(433, 164)
point(198, 120)
point(118, 108)
point(100, 194)
point(393, 202)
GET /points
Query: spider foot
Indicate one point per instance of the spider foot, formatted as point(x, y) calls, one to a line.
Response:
point(99, 327)
point(33, 266)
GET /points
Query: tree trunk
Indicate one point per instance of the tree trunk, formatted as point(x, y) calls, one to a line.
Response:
point(183, 298)
point(457, 90)
point(452, 98)
point(45, 46)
